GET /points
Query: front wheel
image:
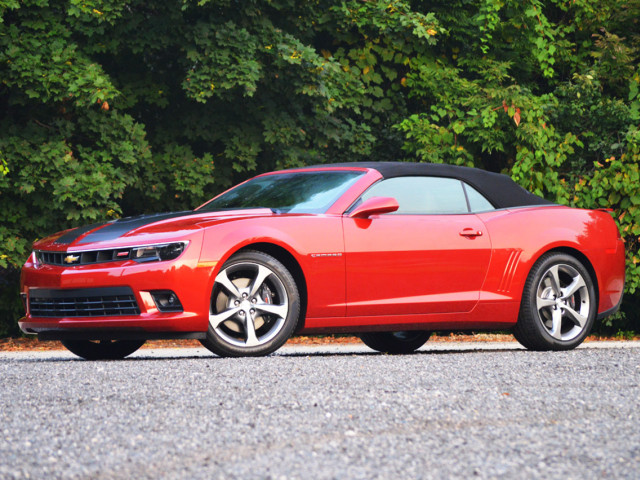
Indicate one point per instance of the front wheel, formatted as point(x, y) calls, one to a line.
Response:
point(558, 304)
point(395, 342)
point(102, 349)
point(255, 306)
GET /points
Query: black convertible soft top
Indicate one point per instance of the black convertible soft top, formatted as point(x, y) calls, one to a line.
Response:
point(499, 189)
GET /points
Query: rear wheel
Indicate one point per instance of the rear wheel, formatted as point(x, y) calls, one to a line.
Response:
point(103, 349)
point(395, 342)
point(558, 304)
point(255, 306)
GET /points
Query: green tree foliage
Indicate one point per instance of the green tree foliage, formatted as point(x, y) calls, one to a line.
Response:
point(110, 108)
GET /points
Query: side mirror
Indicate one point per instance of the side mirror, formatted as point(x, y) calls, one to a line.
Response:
point(375, 206)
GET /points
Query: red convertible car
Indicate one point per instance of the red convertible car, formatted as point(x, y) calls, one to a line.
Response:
point(389, 251)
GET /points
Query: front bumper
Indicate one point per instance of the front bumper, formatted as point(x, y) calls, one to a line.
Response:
point(190, 281)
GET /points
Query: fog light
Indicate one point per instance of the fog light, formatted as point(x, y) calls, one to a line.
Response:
point(166, 301)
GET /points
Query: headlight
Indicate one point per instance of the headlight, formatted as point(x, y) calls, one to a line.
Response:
point(156, 253)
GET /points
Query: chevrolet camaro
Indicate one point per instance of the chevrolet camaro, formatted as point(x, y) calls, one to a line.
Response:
point(388, 251)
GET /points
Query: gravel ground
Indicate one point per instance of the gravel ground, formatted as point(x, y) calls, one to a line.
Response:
point(487, 411)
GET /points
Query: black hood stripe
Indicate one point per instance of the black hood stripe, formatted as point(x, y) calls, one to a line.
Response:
point(73, 235)
point(120, 227)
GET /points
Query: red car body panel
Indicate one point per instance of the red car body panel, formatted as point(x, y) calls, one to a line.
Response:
point(385, 272)
point(535, 231)
point(435, 269)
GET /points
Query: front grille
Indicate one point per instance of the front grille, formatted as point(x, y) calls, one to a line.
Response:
point(83, 258)
point(83, 302)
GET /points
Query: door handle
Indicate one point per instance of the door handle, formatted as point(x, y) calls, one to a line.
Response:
point(470, 233)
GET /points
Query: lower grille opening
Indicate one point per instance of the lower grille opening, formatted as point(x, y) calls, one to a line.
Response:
point(83, 302)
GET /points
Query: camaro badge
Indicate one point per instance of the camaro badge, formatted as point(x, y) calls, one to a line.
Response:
point(71, 258)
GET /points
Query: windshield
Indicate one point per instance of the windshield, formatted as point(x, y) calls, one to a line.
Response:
point(299, 192)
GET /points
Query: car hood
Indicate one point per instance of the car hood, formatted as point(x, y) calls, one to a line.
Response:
point(142, 228)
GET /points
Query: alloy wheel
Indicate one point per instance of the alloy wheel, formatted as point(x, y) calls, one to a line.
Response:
point(249, 305)
point(562, 302)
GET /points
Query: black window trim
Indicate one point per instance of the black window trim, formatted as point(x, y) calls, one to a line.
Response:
point(466, 196)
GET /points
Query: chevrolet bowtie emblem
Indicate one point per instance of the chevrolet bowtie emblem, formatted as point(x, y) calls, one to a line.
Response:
point(71, 258)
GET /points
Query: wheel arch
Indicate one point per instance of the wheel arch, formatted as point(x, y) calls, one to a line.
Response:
point(285, 257)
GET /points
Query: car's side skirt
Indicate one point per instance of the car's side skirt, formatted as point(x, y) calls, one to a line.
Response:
point(486, 316)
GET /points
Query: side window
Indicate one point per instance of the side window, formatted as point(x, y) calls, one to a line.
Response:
point(477, 202)
point(422, 195)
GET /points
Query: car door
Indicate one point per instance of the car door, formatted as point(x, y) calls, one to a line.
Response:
point(431, 256)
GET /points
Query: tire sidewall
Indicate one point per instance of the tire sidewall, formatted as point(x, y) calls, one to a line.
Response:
point(115, 350)
point(388, 342)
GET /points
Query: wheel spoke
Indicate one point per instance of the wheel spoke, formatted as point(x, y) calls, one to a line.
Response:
point(554, 279)
point(577, 317)
point(250, 329)
point(261, 276)
point(544, 302)
point(223, 280)
point(556, 325)
point(571, 289)
point(215, 319)
point(278, 310)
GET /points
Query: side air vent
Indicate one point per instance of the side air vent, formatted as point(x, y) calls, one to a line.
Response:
point(509, 270)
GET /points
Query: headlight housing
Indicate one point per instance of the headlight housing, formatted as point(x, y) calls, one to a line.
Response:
point(157, 253)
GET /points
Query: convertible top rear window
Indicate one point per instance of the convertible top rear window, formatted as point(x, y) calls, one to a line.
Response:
point(296, 192)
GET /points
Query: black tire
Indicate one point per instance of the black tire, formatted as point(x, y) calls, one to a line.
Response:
point(395, 342)
point(103, 349)
point(252, 287)
point(559, 304)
